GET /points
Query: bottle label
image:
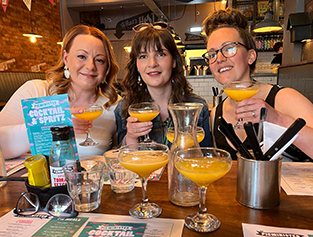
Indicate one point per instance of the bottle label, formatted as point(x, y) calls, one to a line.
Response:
point(57, 176)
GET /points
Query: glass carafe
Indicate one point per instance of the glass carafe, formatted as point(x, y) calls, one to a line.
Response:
point(182, 191)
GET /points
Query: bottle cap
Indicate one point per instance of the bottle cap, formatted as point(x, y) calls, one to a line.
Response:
point(60, 132)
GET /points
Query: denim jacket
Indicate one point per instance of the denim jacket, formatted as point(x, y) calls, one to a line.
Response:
point(157, 133)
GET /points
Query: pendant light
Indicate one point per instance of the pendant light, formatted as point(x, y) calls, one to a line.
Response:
point(32, 36)
point(268, 24)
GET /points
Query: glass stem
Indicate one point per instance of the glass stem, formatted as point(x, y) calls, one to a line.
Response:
point(202, 195)
point(144, 182)
point(88, 136)
point(147, 138)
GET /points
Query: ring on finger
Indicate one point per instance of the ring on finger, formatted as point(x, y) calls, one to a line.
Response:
point(135, 130)
point(253, 114)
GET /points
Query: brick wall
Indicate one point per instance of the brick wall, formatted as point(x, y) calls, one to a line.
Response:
point(16, 21)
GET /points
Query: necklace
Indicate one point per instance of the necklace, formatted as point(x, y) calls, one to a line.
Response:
point(165, 122)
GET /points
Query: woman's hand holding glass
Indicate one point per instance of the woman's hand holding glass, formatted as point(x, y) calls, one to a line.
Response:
point(136, 129)
point(239, 91)
point(80, 126)
point(87, 116)
point(144, 112)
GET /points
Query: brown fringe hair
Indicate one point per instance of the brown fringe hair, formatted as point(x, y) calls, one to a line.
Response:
point(133, 92)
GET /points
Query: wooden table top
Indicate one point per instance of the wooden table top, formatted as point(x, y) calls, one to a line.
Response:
point(293, 211)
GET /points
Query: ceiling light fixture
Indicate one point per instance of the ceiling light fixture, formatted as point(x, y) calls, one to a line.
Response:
point(195, 29)
point(268, 24)
point(32, 36)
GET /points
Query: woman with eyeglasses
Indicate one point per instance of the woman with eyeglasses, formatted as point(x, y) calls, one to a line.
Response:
point(231, 55)
point(85, 71)
point(155, 73)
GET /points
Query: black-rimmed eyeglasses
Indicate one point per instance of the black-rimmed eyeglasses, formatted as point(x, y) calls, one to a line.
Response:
point(228, 50)
point(159, 25)
point(59, 205)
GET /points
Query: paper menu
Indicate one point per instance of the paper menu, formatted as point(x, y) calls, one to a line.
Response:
point(27, 226)
point(252, 230)
point(40, 114)
point(297, 178)
point(93, 228)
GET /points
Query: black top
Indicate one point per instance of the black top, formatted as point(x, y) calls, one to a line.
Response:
point(291, 152)
point(277, 59)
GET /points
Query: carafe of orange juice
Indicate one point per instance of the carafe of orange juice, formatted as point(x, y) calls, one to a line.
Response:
point(182, 191)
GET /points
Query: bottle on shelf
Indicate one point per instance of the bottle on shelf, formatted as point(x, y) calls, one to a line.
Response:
point(61, 153)
point(281, 9)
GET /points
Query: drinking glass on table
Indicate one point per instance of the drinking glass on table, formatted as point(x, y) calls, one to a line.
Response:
point(84, 183)
point(90, 113)
point(143, 159)
point(240, 90)
point(144, 112)
point(170, 133)
point(203, 166)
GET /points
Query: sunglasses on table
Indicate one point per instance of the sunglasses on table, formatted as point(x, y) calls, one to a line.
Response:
point(159, 25)
point(59, 205)
point(228, 50)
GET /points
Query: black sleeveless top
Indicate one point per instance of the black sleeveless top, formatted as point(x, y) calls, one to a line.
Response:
point(292, 151)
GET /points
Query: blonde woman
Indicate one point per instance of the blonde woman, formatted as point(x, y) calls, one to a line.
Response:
point(85, 71)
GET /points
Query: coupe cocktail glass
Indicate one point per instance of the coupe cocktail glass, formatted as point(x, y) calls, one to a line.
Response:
point(90, 113)
point(202, 165)
point(240, 90)
point(143, 159)
point(144, 112)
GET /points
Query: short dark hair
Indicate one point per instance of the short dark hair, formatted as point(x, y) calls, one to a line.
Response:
point(277, 45)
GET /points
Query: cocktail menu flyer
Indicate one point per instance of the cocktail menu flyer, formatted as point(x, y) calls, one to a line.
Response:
point(40, 114)
point(113, 229)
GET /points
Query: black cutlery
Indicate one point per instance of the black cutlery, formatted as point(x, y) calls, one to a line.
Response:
point(228, 131)
point(285, 138)
point(7, 178)
point(263, 113)
point(251, 134)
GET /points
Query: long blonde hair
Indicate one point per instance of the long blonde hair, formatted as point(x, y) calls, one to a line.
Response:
point(58, 84)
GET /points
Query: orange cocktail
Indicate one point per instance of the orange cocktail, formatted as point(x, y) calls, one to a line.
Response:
point(144, 163)
point(143, 159)
point(88, 115)
point(145, 115)
point(241, 90)
point(203, 171)
point(202, 165)
point(239, 94)
point(144, 112)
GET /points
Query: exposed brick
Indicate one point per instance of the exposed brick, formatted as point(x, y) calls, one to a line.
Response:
point(16, 21)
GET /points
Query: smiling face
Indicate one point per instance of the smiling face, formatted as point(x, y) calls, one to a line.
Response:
point(235, 68)
point(87, 62)
point(155, 67)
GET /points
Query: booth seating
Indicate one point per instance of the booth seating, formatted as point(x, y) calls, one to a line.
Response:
point(11, 81)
